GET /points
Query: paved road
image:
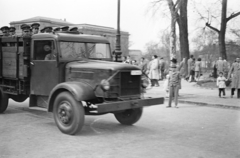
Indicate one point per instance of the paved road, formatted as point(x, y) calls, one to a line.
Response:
point(188, 132)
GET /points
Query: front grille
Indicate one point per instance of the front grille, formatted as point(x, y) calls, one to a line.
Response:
point(124, 84)
point(130, 84)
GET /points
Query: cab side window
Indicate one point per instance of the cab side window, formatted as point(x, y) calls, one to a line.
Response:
point(42, 48)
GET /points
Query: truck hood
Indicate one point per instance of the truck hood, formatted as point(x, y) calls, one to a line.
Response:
point(102, 65)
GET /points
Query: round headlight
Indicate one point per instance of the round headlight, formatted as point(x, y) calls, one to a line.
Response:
point(105, 85)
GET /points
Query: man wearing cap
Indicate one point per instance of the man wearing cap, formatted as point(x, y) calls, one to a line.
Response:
point(25, 30)
point(65, 28)
point(5, 31)
point(48, 29)
point(35, 28)
point(56, 29)
point(73, 29)
point(42, 30)
point(12, 31)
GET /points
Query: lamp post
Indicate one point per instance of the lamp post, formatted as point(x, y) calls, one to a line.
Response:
point(118, 51)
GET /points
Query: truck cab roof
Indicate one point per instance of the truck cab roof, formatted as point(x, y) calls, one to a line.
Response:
point(72, 37)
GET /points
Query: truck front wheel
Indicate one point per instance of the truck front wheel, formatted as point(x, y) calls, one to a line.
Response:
point(3, 101)
point(129, 117)
point(68, 113)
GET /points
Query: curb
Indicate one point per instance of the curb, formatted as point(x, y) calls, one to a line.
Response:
point(207, 104)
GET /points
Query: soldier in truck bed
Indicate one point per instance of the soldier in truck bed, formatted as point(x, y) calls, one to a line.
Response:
point(5, 31)
point(12, 31)
point(35, 28)
point(26, 30)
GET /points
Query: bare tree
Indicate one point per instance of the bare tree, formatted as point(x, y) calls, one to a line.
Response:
point(222, 31)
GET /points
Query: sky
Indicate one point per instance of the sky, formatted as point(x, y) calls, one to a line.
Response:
point(136, 15)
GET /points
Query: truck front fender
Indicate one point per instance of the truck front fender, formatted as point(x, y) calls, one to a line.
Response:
point(80, 91)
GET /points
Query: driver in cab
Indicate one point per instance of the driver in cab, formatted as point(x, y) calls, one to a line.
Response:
point(52, 55)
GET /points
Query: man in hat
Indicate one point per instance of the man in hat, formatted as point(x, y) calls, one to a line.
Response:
point(12, 31)
point(25, 30)
point(56, 29)
point(42, 30)
point(73, 29)
point(48, 29)
point(35, 28)
point(5, 31)
point(65, 28)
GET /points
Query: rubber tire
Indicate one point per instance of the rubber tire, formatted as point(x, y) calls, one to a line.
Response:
point(77, 110)
point(3, 101)
point(129, 117)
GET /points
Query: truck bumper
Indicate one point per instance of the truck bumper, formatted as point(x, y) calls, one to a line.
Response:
point(130, 104)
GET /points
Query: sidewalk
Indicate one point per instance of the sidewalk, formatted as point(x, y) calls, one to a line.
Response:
point(192, 93)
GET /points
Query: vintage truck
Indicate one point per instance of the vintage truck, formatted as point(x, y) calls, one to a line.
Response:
point(77, 78)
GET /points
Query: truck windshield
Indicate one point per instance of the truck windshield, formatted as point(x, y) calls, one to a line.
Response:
point(75, 50)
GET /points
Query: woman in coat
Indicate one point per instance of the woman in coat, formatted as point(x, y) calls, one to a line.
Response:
point(235, 71)
point(197, 69)
point(153, 71)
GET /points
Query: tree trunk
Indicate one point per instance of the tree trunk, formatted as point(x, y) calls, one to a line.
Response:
point(183, 30)
point(222, 47)
point(173, 30)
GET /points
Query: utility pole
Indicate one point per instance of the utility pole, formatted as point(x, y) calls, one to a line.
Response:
point(118, 51)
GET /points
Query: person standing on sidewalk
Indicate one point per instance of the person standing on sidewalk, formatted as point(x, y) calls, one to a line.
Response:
point(162, 64)
point(221, 84)
point(153, 71)
point(174, 79)
point(197, 69)
point(235, 71)
point(220, 65)
point(192, 72)
point(189, 62)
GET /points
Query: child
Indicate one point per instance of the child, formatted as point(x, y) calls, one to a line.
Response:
point(221, 84)
point(174, 82)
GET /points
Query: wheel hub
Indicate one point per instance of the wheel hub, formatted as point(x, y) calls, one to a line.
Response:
point(65, 112)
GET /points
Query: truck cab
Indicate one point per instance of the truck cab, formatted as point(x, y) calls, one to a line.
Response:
point(72, 75)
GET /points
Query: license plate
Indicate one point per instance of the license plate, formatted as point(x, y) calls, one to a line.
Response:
point(136, 72)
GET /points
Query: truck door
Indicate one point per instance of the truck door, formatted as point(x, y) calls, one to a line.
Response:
point(44, 70)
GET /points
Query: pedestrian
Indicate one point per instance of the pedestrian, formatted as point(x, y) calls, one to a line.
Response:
point(214, 69)
point(162, 67)
point(225, 68)
point(174, 79)
point(235, 72)
point(192, 72)
point(143, 65)
point(219, 65)
point(189, 62)
point(197, 69)
point(153, 71)
point(221, 84)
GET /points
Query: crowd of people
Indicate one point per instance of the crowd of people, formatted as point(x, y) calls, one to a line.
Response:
point(156, 70)
point(28, 30)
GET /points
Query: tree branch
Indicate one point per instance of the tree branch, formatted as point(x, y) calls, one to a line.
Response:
point(233, 15)
point(213, 28)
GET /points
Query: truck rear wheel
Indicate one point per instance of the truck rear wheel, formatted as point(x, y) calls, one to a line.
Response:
point(3, 101)
point(68, 113)
point(129, 117)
